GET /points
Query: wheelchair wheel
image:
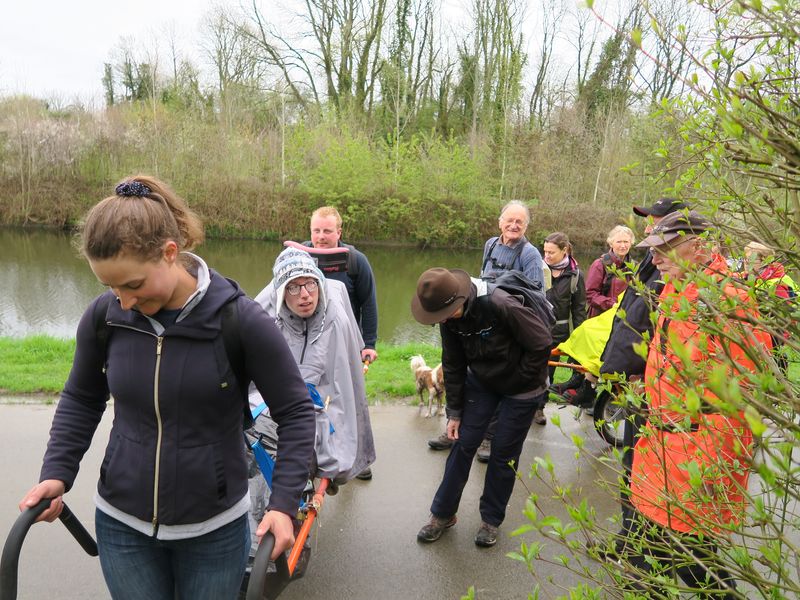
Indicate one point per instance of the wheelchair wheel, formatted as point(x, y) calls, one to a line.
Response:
point(609, 419)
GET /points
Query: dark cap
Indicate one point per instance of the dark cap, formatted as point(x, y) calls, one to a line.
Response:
point(660, 208)
point(673, 226)
point(440, 292)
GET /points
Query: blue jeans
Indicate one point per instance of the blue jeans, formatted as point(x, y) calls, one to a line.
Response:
point(137, 566)
point(514, 418)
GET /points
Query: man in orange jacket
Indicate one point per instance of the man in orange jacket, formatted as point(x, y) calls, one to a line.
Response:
point(691, 464)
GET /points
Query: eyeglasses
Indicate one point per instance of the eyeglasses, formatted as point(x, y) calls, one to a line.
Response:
point(665, 249)
point(294, 289)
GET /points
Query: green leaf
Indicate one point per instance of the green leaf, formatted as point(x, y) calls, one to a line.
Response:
point(754, 421)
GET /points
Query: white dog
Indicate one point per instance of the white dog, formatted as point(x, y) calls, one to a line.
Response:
point(431, 380)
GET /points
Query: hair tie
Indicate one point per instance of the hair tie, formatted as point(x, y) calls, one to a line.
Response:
point(132, 188)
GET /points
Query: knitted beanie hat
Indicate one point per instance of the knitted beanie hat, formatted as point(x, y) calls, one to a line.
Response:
point(291, 264)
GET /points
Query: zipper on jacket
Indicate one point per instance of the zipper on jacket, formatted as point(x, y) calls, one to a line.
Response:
point(160, 429)
point(305, 340)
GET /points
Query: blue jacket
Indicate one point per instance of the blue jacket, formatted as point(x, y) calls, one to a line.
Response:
point(176, 451)
point(498, 257)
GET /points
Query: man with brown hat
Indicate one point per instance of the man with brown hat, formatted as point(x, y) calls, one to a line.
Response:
point(494, 353)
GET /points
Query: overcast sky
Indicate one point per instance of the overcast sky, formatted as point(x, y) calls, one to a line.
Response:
point(53, 48)
point(56, 49)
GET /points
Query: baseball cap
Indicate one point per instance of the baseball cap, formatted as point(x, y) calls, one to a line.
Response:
point(660, 208)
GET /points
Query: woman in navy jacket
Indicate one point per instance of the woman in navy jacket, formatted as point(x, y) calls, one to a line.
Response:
point(172, 498)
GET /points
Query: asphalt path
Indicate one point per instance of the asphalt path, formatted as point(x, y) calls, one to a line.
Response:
point(364, 544)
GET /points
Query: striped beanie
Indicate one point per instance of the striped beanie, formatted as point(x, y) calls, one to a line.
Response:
point(291, 264)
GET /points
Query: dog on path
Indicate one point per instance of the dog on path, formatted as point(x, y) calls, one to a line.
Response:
point(431, 380)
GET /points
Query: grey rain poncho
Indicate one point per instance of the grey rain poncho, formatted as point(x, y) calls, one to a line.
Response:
point(327, 348)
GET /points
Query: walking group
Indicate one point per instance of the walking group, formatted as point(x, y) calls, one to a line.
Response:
point(686, 454)
point(190, 362)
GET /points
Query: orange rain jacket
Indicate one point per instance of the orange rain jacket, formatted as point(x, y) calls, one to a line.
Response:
point(690, 467)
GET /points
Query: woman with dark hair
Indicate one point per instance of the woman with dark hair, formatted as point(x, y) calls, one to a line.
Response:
point(567, 295)
point(172, 499)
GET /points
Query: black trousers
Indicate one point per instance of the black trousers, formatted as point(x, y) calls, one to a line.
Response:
point(630, 435)
point(653, 549)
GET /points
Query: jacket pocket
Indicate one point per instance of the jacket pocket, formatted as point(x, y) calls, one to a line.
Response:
point(126, 480)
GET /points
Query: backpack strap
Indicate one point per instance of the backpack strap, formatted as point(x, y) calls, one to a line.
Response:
point(517, 253)
point(101, 329)
point(488, 255)
point(232, 342)
point(352, 261)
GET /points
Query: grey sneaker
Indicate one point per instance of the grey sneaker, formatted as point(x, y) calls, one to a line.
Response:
point(484, 450)
point(434, 528)
point(486, 536)
point(539, 418)
point(440, 443)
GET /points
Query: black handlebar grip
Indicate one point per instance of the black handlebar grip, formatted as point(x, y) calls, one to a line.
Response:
point(260, 579)
point(9, 563)
point(78, 531)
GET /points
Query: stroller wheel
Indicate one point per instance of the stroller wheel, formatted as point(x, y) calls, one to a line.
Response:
point(609, 419)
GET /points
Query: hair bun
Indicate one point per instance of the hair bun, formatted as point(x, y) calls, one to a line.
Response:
point(132, 188)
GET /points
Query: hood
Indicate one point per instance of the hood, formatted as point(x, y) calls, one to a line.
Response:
point(200, 317)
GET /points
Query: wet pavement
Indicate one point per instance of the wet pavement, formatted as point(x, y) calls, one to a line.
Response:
point(364, 546)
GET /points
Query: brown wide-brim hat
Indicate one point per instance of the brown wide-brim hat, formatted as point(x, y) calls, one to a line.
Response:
point(674, 226)
point(440, 292)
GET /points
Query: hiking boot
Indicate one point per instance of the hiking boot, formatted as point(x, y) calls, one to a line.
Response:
point(486, 536)
point(434, 528)
point(365, 475)
point(572, 383)
point(484, 451)
point(539, 418)
point(583, 397)
point(332, 489)
point(440, 443)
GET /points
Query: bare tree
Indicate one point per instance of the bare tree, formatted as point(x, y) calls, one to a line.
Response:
point(552, 13)
point(346, 37)
point(671, 39)
point(584, 41)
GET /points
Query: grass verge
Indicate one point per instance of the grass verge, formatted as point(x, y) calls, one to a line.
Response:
point(35, 364)
point(40, 364)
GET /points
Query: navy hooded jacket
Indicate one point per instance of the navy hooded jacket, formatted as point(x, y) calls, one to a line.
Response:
point(176, 451)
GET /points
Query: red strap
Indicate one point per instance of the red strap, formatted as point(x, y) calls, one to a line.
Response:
point(298, 246)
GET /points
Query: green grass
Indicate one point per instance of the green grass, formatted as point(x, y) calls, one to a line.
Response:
point(36, 364)
point(391, 374)
point(40, 364)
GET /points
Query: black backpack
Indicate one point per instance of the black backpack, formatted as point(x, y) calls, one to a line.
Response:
point(230, 340)
point(526, 291)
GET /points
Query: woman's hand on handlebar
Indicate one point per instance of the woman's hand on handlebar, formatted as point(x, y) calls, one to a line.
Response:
point(281, 526)
point(49, 488)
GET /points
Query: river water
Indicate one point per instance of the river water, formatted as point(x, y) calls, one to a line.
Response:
point(46, 286)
